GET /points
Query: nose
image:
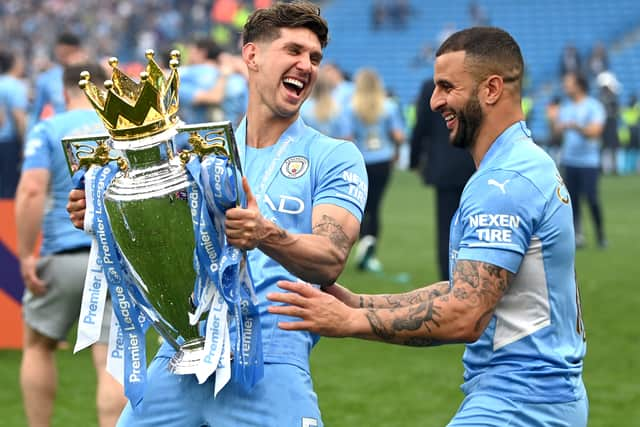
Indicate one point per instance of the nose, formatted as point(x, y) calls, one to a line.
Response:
point(437, 99)
point(304, 63)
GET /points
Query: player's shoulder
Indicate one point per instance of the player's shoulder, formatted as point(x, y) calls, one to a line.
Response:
point(328, 150)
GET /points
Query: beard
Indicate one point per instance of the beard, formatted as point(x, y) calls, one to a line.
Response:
point(469, 121)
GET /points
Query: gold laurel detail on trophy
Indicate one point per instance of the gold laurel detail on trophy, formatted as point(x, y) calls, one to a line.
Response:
point(89, 155)
point(133, 110)
point(211, 143)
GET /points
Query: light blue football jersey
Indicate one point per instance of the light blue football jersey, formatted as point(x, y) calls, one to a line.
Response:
point(374, 140)
point(336, 126)
point(302, 170)
point(515, 213)
point(236, 98)
point(43, 150)
point(195, 78)
point(48, 90)
point(13, 96)
point(577, 149)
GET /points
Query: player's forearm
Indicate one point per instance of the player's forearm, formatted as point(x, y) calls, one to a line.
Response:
point(212, 96)
point(593, 130)
point(406, 299)
point(29, 211)
point(433, 321)
point(313, 258)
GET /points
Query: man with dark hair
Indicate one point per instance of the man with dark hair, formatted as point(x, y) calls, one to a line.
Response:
point(48, 86)
point(581, 121)
point(54, 280)
point(512, 296)
point(13, 118)
point(310, 192)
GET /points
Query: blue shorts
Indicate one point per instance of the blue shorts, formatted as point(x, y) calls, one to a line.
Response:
point(283, 398)
point(485, 409)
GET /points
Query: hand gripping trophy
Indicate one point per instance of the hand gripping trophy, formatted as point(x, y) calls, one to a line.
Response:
point(159, 247)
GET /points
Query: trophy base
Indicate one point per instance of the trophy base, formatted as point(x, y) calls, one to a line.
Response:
point(186, 360)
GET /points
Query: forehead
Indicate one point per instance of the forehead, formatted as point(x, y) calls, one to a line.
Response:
point(449, 65)
point(300, 36)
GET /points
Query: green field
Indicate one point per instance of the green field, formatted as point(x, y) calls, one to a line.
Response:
point(369, 384)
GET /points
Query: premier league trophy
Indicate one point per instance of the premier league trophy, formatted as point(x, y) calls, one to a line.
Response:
point(158, 221)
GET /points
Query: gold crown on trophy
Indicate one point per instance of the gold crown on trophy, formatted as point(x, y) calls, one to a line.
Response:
point(132, 110)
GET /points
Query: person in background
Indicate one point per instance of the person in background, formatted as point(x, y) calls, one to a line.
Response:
point(322, 112)
point(441, 165)
point(54, 280)
point(630, 136)
point(375, 125)
point(342, 86)
point(13, 119)
point(48, 86)
point(609, 88)
point(554, 141)
point(581, 121)
point(512, 296)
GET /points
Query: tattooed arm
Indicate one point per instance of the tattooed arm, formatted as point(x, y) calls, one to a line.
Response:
point(427, 316)
point(318, 257)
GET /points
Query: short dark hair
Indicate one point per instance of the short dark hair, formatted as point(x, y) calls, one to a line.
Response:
point(488, 50)
point(68, 39)
point(265, 24)
point(211, 48)
point(71, 74)
point(581, 80)
point(7, 59)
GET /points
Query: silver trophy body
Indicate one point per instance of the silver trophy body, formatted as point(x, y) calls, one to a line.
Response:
point(149, 213)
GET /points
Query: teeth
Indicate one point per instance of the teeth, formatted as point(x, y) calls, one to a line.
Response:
point(296, 83)
point(450, 117)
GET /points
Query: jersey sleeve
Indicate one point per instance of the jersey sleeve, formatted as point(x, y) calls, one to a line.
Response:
point(37, 152)
point(498, 213)
point(597, 113)
point(396, 123)
point(342, 180)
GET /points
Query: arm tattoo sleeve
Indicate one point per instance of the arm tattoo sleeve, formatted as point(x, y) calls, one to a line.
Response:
point(329, 227)
point(413, 318)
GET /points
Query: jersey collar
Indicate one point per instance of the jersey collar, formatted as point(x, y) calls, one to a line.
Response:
point(516, 131)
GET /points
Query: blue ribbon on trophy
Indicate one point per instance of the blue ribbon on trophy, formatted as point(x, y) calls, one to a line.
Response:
point(131, 320)
point(226, 269)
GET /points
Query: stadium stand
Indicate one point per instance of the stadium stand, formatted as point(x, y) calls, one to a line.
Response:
point(543, 28)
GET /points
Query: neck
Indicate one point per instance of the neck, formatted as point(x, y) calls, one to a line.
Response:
point(264, 127)
point(495, 122)
point(579, 97)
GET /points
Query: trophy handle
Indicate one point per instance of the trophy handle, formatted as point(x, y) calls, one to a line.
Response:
point(81, 152)
point(218, 139)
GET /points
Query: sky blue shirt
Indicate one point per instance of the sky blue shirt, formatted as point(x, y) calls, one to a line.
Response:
point(343, 92)
point(374, 140)
point(43, 150)
point(193, 79)
point(48, 90)
point(515, 213)
point(307, 169)
point(336, 126)
point(577, 149)
point(236, 99)
point(13, 96)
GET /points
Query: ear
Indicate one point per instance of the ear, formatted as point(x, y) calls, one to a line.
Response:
point(249, 52)
point(492, 89)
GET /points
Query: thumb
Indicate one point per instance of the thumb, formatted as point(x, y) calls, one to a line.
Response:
point(251, 200)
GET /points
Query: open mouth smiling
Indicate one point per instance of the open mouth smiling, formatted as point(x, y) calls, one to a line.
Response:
point(293, 85)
